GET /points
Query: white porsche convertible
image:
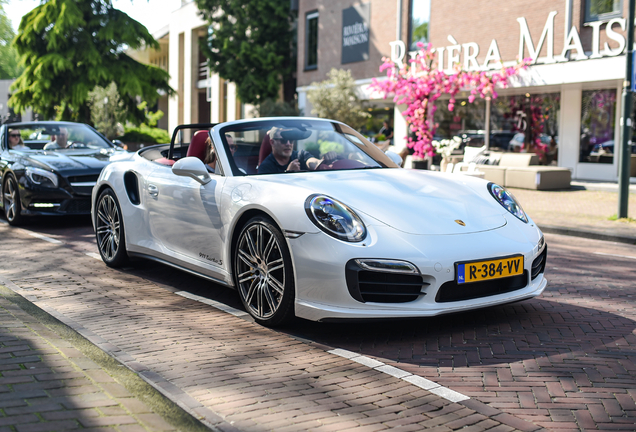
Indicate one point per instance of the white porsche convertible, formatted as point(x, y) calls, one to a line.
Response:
point(304, 217)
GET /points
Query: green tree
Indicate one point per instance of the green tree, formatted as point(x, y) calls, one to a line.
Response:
point(250, 43)
point(8, 55)
point(107, 110)
point(70, 46)
point(335, 98)
point(272, 108)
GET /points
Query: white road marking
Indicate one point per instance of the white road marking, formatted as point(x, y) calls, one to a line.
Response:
point(613, 255)
point(45, 238)
point(207, 301)
point(416, 380)
point(94, 255)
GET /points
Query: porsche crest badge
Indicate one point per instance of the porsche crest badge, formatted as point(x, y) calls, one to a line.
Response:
point(460, 222)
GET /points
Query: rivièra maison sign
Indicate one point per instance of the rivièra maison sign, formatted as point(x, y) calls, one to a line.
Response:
point(466, 54)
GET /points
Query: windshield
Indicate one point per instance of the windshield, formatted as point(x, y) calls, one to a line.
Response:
point(55, 137)
point(264, 147)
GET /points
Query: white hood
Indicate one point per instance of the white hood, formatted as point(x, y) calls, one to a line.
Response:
point(415, 202)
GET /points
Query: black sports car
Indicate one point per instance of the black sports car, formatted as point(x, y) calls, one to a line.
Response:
point(49, 168)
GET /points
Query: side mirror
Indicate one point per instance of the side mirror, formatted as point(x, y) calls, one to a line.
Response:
point(396, 158)
point(119, 144)
point(192, 167)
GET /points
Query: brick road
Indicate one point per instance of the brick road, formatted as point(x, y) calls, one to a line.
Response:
point(564, 361)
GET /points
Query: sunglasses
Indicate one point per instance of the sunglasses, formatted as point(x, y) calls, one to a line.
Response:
point(284, 141)
point(14, 135)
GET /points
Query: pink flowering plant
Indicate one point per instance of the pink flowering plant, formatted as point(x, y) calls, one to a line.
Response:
point(419, 85)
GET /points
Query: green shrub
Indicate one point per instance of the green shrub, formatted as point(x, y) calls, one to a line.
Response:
point(144, 135)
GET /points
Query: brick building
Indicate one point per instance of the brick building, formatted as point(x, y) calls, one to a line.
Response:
point(570, 96)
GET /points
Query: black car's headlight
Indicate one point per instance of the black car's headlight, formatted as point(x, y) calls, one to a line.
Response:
point(508, 201)
point(335, 218)
point(42, 177)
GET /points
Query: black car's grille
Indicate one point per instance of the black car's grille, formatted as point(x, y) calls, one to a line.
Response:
point(382, 287)
point(538, 265)
point(83, 184)
point(77, 206)
point(83, 178)
point(452, 291)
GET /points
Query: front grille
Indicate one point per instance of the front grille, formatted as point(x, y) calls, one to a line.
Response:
point(538, 265)
point(83, 184)
point(452, 291)
point(382, 287)
point(83, 178)
point(77, 206)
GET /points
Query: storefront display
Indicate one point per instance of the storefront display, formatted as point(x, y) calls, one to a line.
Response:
point(598, 108)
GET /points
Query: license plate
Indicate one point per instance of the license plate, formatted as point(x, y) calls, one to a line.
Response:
point(476, 271)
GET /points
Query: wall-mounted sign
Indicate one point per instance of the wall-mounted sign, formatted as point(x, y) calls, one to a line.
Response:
point(465, 54)
point(355, 33)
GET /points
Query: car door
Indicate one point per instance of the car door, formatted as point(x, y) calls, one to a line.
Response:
point(185, 216)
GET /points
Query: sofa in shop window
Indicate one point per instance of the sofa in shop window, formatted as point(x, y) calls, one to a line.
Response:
point(522, 170)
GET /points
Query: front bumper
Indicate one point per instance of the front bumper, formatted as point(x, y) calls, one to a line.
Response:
point(50, 202)
point(321, 287)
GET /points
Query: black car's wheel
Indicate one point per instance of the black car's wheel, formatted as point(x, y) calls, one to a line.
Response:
point(11, 197)
point(263, 272)
point(109, 230)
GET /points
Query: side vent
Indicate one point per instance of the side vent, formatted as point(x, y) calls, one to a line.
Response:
point(132, 187)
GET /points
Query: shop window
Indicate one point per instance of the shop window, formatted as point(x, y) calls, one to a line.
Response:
point(527, 123)
point(465, 119)
point(419, 22)
point(599, 10)
point(311, 41)
point(598, 121)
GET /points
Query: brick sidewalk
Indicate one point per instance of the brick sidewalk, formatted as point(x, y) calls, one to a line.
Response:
point(46, 384)
point(580, 211)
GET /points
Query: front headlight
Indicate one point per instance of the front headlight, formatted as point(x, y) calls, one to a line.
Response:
point(335, 218)
point(508, 201)
point(41, 177)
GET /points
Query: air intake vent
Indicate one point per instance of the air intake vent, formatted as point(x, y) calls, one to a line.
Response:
point(452, 291)
point(132, 187)
point(383, 286)
point(538, 265)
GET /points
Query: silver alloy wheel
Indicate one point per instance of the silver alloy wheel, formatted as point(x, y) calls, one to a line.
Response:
point(261, 271)
point(10, 200)
point(108, 227)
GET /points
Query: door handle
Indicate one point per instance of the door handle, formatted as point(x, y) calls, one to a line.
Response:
point(153, 190)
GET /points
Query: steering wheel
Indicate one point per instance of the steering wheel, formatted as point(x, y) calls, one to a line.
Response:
point(340, 164)
point(76, 145)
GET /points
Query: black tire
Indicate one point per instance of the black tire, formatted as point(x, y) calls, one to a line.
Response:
point(11, 202)
point(109, 230)
point(263, 272)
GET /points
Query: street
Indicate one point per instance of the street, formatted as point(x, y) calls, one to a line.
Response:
point(565, 360)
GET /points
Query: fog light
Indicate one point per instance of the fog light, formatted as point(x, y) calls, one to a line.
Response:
point(44, 205)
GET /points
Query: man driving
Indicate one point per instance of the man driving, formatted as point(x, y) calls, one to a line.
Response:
point(60, 142)
point(283, 157)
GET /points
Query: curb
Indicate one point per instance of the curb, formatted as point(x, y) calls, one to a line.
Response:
point(587, 234)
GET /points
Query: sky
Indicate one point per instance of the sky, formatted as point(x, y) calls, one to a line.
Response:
point(154, 14)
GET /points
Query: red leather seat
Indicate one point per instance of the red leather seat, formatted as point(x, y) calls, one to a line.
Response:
point(197, 145)
point(165, 161)
point(265, 150)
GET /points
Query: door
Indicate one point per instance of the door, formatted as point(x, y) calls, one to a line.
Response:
point(185, 216)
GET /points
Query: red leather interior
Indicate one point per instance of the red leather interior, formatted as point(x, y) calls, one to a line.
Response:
point(165, 161)
point(197, 145)
point(266, 149)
